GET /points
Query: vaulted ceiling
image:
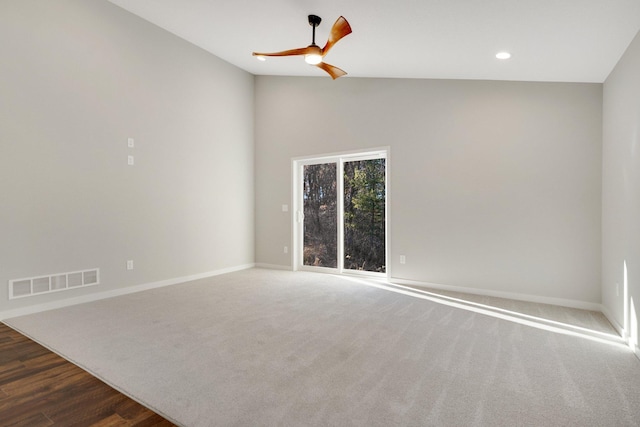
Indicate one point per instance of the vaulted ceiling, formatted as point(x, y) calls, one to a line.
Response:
point(550, 40)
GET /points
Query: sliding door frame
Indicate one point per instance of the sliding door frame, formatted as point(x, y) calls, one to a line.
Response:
point(297, 217)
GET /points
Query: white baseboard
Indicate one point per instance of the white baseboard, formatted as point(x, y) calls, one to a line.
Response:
point(273, 266)
point(619, 328)
point(7, 314)
point(583, 305)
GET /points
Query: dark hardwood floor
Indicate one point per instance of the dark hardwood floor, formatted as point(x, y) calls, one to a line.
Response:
point(39, 388)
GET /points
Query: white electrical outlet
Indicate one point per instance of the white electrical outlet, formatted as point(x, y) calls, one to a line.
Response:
point(403, 259)
point(285, 208)
point(130, 143)
point(130, 264)
point(286, 249)
point(130, 161)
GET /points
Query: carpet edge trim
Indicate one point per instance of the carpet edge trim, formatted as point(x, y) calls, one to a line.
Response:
point(93, 374)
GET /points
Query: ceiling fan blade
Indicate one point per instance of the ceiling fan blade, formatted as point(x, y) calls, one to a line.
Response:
point(292, 52)
point(340, 29)
point(333, 71)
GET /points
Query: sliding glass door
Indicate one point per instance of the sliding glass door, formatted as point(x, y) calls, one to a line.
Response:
point(364, 216)
point(319, 195)
point(341, 213)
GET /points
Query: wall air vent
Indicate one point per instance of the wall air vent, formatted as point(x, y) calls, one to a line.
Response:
point(19, 288)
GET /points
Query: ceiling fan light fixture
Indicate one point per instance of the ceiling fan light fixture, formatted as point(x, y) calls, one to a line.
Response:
point(261, 58)
point(313, 58)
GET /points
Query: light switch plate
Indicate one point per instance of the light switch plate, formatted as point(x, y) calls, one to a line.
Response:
point(130, 143)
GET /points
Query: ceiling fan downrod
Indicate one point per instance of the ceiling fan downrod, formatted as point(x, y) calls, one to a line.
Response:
point(314, 21)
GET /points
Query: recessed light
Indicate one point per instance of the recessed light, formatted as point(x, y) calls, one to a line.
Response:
point(503, 55)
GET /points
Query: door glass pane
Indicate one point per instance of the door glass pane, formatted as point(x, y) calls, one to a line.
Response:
point(320, 215)
point(364, 215)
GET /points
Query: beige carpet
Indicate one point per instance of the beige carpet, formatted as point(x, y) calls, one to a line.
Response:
point(275, 348)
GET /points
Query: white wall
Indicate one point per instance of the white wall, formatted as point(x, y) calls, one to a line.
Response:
point(494, 185)
point(77, 78)
point(621, 186)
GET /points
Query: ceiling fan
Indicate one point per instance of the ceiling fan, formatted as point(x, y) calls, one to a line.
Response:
point(313, 55)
